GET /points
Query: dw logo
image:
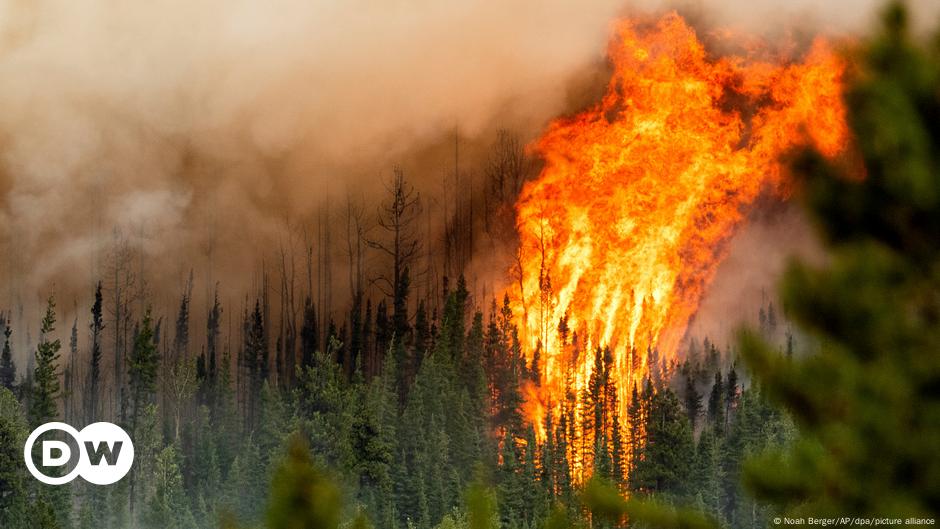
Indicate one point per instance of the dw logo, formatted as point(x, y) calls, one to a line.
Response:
point(105, 453)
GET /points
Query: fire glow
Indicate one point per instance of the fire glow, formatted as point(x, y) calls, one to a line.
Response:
point(639, 195)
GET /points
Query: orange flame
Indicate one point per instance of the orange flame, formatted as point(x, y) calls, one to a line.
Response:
point(630, 217)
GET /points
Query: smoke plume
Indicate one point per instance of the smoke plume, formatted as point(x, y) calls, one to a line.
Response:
point(196, 131)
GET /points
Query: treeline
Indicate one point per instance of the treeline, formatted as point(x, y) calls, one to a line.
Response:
point(409, 394)
point(410, 439)
point(405, 411)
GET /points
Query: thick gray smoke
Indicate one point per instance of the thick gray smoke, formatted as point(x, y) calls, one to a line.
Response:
point(747, 278)
point(196, 131)
point(178, 121)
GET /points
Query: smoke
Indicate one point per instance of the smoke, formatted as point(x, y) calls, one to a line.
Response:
point(776, 233)
point(779, 17)
point(198, 130)
point(746, 280)
point(185, 124)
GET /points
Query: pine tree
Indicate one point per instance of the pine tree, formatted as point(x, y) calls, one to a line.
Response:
point(143, 366)
point(535, 370)
point(618, 458)
point(52, 505)
point(455, 313)
point(374, 442)
point(535, 497)
point(511, 488)
point(383, 333)
point(422, 333)
point(471, 369)
point(45, 389)
point(666, 456)
point(301, 495)
point(594, 426)
point(309, 335)
point(867, 401)
point(706, 474)
point(731, 393)
point(762, 319)
point(635, 437)
point(142, 369)
point(181, 339)
point(69, 376)
point(213, 331)
point(15, 511)
point(356, 338)
point(255, 356)
point(168, 507)
point(92, 393)
point(400, 325)
point(370, 363)
point(563, 477)
point(693, 401)
point(716, 403)
point(7, 366)
point(771, 319)
point(398, 217)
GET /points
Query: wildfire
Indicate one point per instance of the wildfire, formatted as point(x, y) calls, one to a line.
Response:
point(630, 217)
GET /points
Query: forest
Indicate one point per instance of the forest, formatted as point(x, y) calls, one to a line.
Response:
point(442, 412)
point(406, 408)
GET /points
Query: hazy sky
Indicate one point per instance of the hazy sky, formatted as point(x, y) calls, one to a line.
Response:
point(170, 114)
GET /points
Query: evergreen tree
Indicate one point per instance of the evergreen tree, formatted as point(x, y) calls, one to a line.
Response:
point(511, 487)
point(535, 498)
point(7, 366)
point(302, 497)
point(69, 391)
point(309, 335)
point(471, 369)
point(356, 334)
point(867, 401)
point(716, 403)
point(771, 319)
point(181, 339)
point(706, 474)
point(398, 217)
point(213, 331)
point(593, 428)
point(635, 434)
point(731, 393)
point(370, 365)
point(383, 333)
point(618, 459)
point(665, 458)
point(693, 401)
point(143, 368)
point(15, 510)
point(168, 507)
point(255, 356)
point(374, 442)
point(93, 386)
point(45, 388)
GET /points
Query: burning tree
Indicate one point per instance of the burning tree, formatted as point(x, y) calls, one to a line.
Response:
point(867, 403)
point(630, 216)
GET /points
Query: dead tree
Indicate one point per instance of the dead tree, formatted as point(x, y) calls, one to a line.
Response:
point(398, 217)
point(506, 171)
point(355, 238)
point(324, 270)
point(286, 359)
point(355, 242)
point(122, 294)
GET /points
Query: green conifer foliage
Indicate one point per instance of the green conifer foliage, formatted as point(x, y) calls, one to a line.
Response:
point(867, 404)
